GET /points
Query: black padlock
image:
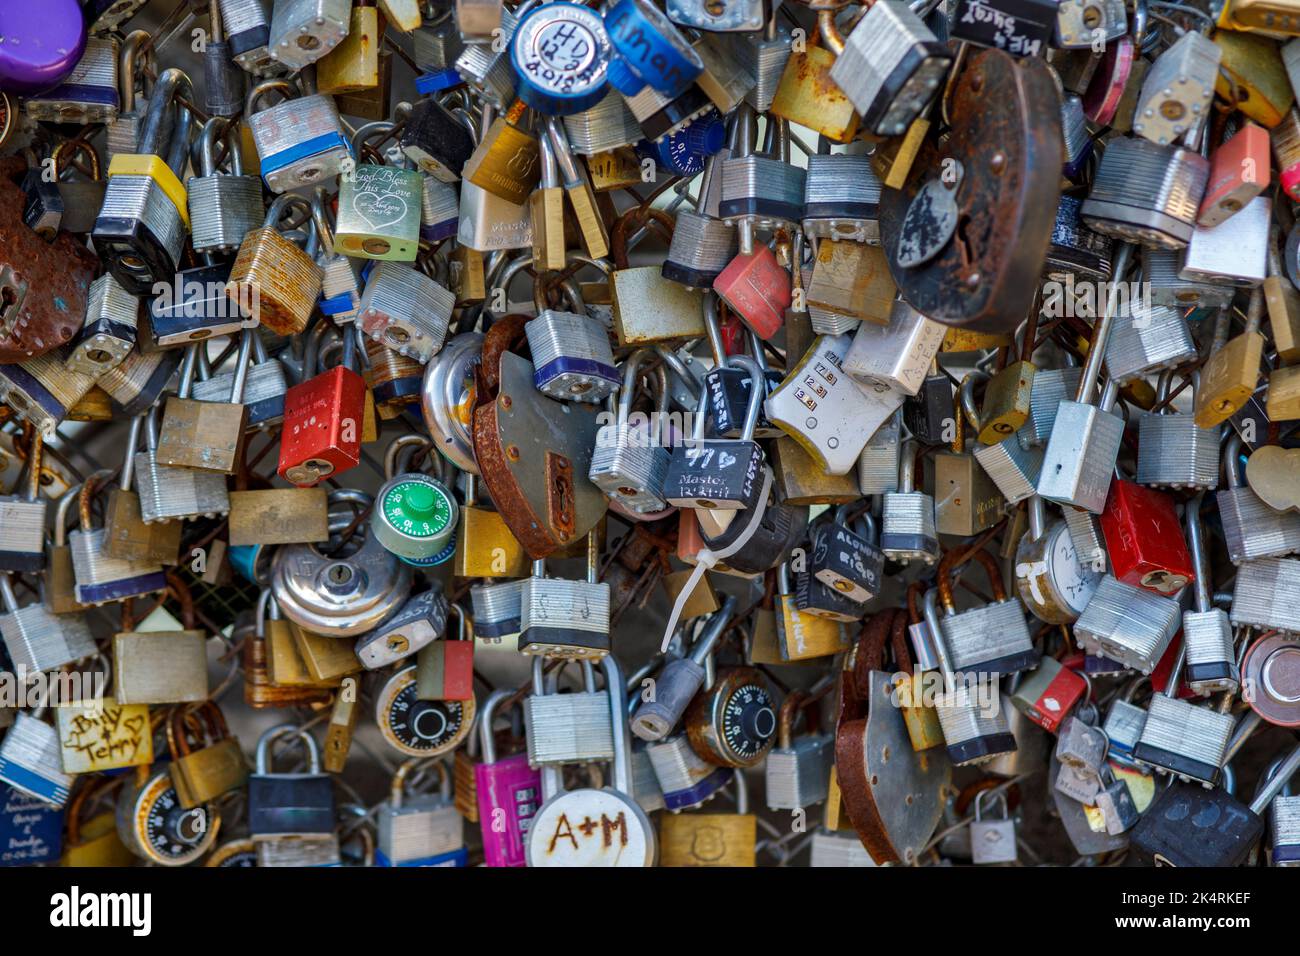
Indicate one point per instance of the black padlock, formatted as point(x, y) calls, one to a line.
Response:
point(845, 560)
point(223, 79)
point(931, 412)
point(289, 804)
point(780, 527)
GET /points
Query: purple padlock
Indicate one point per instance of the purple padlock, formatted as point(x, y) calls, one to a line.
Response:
point(509, 794)
point(40, 44)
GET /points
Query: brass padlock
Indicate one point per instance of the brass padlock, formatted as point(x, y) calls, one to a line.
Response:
point(279, 516)
point(804, 482)
point(353, 65)
point(327, 658)
point(217, 765)
point(806, 95)
point(207, 436)
point(485, 547)
point(702, 600)
point(507, 162)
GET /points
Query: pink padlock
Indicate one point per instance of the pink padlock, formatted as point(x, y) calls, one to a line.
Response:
point(509, 793)
point(757, 289)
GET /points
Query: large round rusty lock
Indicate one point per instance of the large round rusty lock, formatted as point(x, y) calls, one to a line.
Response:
point(1001, 167)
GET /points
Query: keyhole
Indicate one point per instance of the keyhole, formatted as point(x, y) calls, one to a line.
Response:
point(8, 299)
point(963, 240)
point(1091, 17)
point(340, 574)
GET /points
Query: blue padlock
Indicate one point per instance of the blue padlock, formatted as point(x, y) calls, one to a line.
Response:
point(31, 831)
point(685, 152)
point(561, 54)
point(649, 50)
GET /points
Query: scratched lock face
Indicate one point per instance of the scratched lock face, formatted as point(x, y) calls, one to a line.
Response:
point(588, 828)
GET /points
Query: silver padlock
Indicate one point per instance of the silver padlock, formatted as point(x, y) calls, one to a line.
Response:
point(907, 529)
point(570, 727)
point(406, 310)
point(38, 640)
point(992, 841)
point(303, 31)
point(1173, 451)
point(1207, 632)
point(1128, 624)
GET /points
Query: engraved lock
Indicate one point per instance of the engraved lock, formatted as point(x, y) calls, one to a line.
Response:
point(560, 53)
point(303, 31)
point(848, 560)
point(563, 618)
point(1143, 542)
point(339, 590)
point(299, 140)
point(420, 728)
point(323, 420)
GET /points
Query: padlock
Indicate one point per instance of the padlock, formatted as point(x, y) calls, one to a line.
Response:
point(1145, 192)
point(572, 358)
point(37, 640)
point(446, 392)
point(421, 830)
point(989, 640)
point(405, 310)
point(248, 28)
point(1232, 253)
point(161, 667)
point(265, 386)
point(379, 211)
point(546, 208)
point(765, 55)
point(141, 227)
point(1049, 693)
point(123, 133)
point(1173, 451)
point(259, 690)
point(1207, 633)
point(285, 666)
point(436, 141)
point(648, 51)
point(852, 282)
point(971, 733)
point(22, 517)
point(562, 618)
point(711, 839)
point(967, 500)
point(1182, 738)
point(907, 530)
point(797, 769)
point(1080, 24)
point(289, 804)
point(734, 722)
point(302, 31)
point(1251, 529)
point(88, 94)
point(1161, 272)
point(1229, 377)
point(892, 361)
point(483, 66)
point(98, 577)
point(1143, 539)
point(629, 463)
point(841, 199)
point(485, 545)
point(878, 464)
point(848, 561)
point(509, 793)
point(419, 622)
point(206, 435)
point(1085, 439)
point(416, 727)
point(726, 78)
point(223, 207)
point(1253, 77)
point(323, 419)
point(1239, 168)
point(992, 841)
point(1128, 624)
point(600, 130)
point(891, 67)
point(445, 669)
point(42, 391)
point(1054, 584)
point(353, 66)
point(223, 79)
point(340, 596)
point(809, 97)
point(1176, 94)
point(271, 278)
point(566, 727)
point(809, 616)
point(1265, 593)
point(92, 842)
point(216, 766)
point(506, 161)
point(299, 140)
point(153, 825)
point(759, 192)
point(930, 412)
point(108, 333)
point(416, 515)
point(175, 493)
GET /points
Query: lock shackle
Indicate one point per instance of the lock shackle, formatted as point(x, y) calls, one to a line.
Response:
point(931, 613)
point(616, 687)
point(1271, 772)
point(898, 642)
point(790, 708)
point(713, 328)
point(1102, 327)
point(7, 592)
point(245, 353)
point(88, 488)
point(397, 788)
point(1037, 509)
point(907, 467)
point(369, 131)
point(757, 393)
point(1232, 460)
point(70, 497)
point(714, 628)
point(181, 591)
point(593, 557)
point(539, 687)
point(266, 606)
point(173, 85)
point(631, 366)
point(1196, 546)
point(946, 577)
point(783, 587)
point(487, 745)
point(999, 797)
point(275, 211)
point(394, 450)
point(1280, 778)
point(127, 472)
point(741, 787)
point(550, 168)
point(126, 68)
point(701, 413)
point(966, 395)
point(462, 621)
point(870, 531)
point(263, 756)
point(265, 87)
point(70, 148)
point(189, 365)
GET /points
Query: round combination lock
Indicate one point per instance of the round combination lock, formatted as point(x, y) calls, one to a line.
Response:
point(684, 152)
point(236, 853)
point(560, 52)
point(734, 724)
point(415, 518)
point(420, 728)
point(152, 823)
point(1052, 581)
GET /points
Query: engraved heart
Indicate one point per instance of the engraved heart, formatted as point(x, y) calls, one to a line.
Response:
point(1271, 473)
point(379, 210)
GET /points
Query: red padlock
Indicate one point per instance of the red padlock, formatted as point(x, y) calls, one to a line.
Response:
point(1049, 692)
point(1106, 88)
point(757, 289)
point(323, 418)
point(1239, 170)
point(446, 667)
point(1144, 539)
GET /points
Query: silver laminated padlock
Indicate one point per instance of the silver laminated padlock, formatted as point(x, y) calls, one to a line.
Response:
point(498, 608)
point(571, 727)
point(419, 829)
point(907, 529)
point(1251, 529)
point(765, 57)
point(606, 126)
point(1177, 92)
point(248, 30)
point(685, 780)
point(1148, 193)
point(1207, 632)
point(1147, 339)
point(224, 207)
point(1161, 273)
point(1266, 595)
point(108, 334)
point(563, 618)
point(1128, 624)
point(31, 759)
point(841, 199)
point(89, 94)
point(406, 310)
point(878, 462)
point(300, 140)
point(760, 192)
point(265, 385)
point(22, 518)
point(572, 358)
point(39, 640)
point(797, 771)
point(303, 31)
point(990, 639)
point(1173, 451)
point(629, 463)
point(1050, 387)
point(1182, 738)
point(100, 578)
point(172, 493)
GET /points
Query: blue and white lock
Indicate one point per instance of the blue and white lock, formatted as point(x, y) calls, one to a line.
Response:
point(561, 53)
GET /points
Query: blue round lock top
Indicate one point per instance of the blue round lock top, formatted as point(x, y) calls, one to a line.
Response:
point(685, 151)
point(561, 54)
point(649, 50)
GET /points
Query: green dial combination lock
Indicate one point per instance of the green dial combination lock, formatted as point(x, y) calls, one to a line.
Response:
point(415, 518)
